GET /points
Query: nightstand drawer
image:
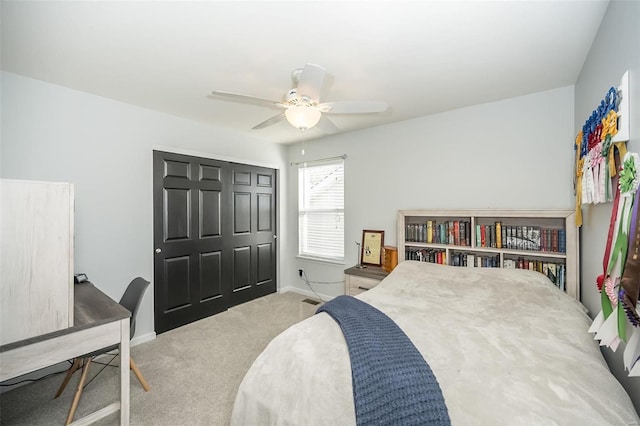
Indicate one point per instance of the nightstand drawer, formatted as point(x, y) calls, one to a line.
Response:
point(357, 285)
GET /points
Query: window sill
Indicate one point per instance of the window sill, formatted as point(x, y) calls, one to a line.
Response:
point(339, 263)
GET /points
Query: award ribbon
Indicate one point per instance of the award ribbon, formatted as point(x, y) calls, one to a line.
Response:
point(630, 282)
point(604, 280)
point(579, 163)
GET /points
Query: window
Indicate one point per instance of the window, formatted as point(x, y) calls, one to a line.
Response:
point(321, 211)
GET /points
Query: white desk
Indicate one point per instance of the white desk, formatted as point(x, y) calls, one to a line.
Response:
point(99, 322)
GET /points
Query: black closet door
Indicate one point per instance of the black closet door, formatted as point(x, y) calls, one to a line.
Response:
point(214, 236)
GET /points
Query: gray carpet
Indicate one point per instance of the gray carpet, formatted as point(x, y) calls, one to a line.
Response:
point(193, 371)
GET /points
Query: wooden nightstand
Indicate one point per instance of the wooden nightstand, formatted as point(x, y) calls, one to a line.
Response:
point(358, 280)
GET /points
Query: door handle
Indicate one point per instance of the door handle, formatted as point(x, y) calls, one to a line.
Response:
point(158, 250)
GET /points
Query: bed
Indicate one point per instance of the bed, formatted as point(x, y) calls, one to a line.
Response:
point(506, 346)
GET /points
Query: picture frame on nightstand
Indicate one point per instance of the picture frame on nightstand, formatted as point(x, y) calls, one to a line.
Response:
point(372, 243)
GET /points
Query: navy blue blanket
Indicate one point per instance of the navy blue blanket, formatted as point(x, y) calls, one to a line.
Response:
point(392, 383)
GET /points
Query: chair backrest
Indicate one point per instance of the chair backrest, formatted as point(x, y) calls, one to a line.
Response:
point(132, 298)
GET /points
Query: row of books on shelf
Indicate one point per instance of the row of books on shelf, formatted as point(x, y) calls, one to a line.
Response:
point(555, 271)
point(517, 237)
point(522, 237)
point(457, 232)
point(457, 258)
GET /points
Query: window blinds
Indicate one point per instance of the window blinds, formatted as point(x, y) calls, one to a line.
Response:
point(321, 211)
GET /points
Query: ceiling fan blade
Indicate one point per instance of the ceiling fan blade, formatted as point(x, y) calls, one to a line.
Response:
point(273, 120)
point(245, 98)
point(352, 107)
point(327, 126)
point(310, 81)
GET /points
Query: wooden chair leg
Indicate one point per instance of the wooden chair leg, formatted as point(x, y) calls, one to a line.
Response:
point(134, 367)
point(76, 398)
point(74, 367)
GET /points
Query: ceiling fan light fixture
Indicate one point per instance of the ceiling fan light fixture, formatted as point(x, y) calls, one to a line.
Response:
point(302, 117)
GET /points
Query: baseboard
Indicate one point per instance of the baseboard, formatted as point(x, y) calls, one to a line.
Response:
point(308, 293)
point(142, 339)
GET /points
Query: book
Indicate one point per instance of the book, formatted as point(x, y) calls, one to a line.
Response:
point(429, 231)
point(519, 237)
point(467, 226)
point(562, 240)
point(449, 231)
point(535, 238)
point(456, 232)
point(471, 260)
point(551, 273)
point(492, 236)
point(498, 234)
point(504, 236)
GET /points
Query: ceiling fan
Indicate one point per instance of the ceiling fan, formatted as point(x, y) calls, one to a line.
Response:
point(302, 106)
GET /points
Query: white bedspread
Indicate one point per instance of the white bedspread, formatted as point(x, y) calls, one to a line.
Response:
point(507, 347)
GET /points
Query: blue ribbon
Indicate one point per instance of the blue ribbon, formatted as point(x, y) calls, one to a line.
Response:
point(610, 102)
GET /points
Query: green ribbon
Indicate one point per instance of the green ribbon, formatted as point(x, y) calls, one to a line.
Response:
point(607, 309)
point(622, 322)
point(626, 180)
point(627, 175)
point(606, 145)
point(622, 241)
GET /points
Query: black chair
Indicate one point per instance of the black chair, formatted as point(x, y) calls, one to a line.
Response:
point(131, 300)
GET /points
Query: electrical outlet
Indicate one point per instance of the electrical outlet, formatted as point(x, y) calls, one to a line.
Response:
point(300, 272)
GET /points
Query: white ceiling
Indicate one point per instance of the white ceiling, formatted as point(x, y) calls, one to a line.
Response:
point(421, 57)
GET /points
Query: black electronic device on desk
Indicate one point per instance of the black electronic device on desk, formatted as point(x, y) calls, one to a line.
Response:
point(80, 278)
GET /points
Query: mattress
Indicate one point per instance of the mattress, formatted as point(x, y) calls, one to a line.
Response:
point(506, 346)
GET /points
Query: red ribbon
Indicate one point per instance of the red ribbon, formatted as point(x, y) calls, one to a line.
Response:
point(607, 249)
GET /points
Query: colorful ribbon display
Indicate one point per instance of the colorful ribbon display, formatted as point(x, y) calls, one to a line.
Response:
point(594, 151)
point(596, 175)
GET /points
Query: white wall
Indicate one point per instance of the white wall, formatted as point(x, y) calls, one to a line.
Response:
point(515, 153)
point(614, 51)
point(105, 148)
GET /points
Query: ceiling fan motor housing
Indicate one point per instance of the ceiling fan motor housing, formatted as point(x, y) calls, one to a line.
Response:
point(293, 99)
point(292, 96)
